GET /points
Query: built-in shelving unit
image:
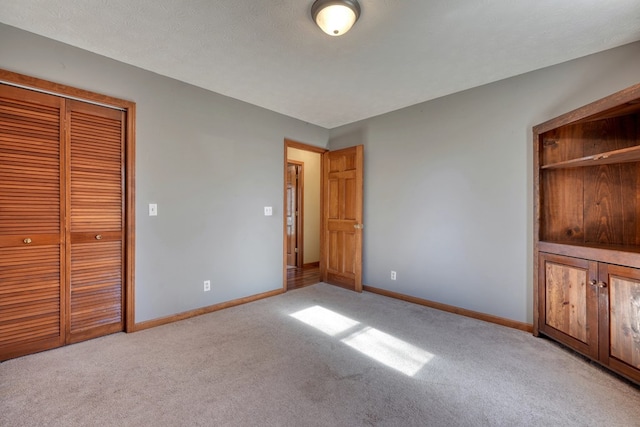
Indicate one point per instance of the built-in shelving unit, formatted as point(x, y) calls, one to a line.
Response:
point(587, 230)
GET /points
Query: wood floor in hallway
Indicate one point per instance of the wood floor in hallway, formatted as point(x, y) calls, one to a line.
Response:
point(301, 277)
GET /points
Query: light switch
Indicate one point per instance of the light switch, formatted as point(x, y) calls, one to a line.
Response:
point(268, 211)
point(153, 209)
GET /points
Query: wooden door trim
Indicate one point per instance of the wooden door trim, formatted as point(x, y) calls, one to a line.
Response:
point(300, 217)
point(129, 107)
point(64, 91)
point(289, 143)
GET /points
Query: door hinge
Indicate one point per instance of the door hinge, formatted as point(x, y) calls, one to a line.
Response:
point(296, 250)
point(296, 213)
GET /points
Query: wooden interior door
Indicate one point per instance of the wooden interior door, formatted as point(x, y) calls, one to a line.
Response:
point(293, 206)
point(568, 301)
point(31, 222)
point(342, 218)
point(96, 229)
point(619, 297)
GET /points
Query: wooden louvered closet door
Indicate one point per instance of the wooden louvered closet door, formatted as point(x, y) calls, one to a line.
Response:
point(31, 222)
point(61, 221)
point(96, 228)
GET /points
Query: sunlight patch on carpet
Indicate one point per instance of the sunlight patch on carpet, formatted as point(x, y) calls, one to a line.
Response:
point(389, 350)
point(329, 322)
point(382, 347)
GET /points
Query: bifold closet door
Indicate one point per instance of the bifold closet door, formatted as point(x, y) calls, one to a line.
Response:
point(95, 189)
point(32, 252)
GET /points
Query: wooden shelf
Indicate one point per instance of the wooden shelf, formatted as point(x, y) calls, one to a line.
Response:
point(624, 155)
point(628, 256)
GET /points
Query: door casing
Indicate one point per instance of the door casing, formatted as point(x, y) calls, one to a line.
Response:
point(39, 85)
point(288, 143)
point(323, 270)
point(298, 218)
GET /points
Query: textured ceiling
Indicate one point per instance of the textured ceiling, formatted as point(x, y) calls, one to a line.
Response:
point(271, 54)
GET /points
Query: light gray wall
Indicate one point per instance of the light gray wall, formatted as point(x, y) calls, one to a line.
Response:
point(210, 162)
point(448, 184)
point(448, 198)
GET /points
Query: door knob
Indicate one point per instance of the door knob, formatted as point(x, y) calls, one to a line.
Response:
point(27, 240)
point(98, 236)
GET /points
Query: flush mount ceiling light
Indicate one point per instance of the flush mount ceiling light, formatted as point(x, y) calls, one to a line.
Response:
point(335, 17)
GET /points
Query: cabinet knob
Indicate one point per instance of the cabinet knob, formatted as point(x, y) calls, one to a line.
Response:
point(27, 240)
point(593, 282)
point(602, 284)
point(98, 236)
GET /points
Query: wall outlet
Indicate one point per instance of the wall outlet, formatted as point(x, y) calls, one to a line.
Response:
point(207, 285)
point(393, 275)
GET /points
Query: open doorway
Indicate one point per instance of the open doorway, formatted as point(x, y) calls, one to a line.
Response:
point(302, 214)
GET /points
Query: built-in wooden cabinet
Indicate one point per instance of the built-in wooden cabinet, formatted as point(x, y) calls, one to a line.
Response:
point(587, 231)
point(567, 301)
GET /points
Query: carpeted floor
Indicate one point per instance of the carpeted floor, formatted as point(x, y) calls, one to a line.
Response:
point(317, 356)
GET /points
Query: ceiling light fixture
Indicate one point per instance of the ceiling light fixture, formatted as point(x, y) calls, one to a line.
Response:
point(335, 17)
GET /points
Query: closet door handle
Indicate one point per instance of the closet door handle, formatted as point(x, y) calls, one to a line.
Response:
point(98, 236)
point(27, 240)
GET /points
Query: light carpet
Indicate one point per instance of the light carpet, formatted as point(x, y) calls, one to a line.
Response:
point(317, 356)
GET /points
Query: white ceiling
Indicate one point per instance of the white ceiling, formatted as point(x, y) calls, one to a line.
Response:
point(270, 53)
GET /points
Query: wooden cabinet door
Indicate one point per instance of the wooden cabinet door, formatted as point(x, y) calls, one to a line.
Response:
point(568, 301)
point(31, 222)
point(342, 218)
point(96, 229)
point(619, 300)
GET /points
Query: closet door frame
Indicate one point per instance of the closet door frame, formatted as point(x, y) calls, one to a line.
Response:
point(39, 85)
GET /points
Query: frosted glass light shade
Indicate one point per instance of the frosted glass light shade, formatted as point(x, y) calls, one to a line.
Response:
point(335, 17)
